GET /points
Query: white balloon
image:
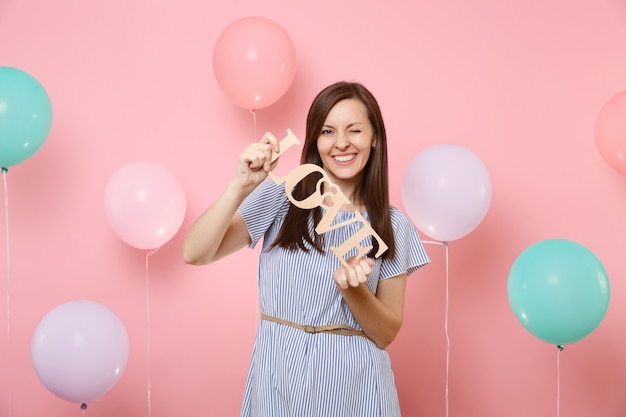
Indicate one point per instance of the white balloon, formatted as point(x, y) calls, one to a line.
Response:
point(446, 191)
point(79, 350)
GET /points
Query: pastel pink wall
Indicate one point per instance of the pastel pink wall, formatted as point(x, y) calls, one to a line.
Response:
point(518, 83)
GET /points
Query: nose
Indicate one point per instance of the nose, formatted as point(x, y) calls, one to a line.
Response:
point(342, 141)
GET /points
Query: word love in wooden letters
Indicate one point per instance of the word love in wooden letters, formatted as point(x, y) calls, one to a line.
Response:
point(329, 196)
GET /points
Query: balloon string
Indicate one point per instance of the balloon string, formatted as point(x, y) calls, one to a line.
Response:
point(148, 254)
point(8, 281)
point(445, 245)
point(253, 113)
point(558, 380)
point(257, 310)
point(83, 407)
point(445, 325)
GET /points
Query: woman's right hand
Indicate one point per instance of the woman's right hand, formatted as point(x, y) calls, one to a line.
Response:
point(255, 161)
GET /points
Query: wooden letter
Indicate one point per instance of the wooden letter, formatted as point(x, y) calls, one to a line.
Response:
point(287, 142)
point(293, 178)
point(330, 198)
point(355, 241)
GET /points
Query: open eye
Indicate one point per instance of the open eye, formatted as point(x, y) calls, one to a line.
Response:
point(326, 131)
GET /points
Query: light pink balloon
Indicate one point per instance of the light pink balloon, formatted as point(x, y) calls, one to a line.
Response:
point(610, 132)
point(79, 350)
point(145, 204)
point(254, 62)
point(446, 191)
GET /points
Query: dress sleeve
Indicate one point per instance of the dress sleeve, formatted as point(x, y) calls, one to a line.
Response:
point(410, 253)
point(262, 207)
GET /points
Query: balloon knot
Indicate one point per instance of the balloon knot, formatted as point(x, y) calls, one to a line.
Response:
point(444, 244)
point(83, 406)
point(4, 170)
point(560, 347)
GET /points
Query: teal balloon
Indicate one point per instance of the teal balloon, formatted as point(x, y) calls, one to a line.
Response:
point(25, 116)
point(559, 291)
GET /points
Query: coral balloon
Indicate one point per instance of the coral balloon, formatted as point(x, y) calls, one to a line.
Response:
point(446, 191)
point(559, 291)
point(610, 131)
point(145, 204)
point(79, 350)
point(254, 62)
point(25, 116)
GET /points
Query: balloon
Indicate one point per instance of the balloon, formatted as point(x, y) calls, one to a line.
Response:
point(79, 350)
point(144, 204)
point(446, 191)
point(558, 290)
point(25, 116)
point(610, 132)
point(254, 62)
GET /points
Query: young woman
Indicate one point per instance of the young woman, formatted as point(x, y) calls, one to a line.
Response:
point(320, 346)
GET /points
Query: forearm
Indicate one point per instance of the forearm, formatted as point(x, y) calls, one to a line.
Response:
point(206, 240)
point(379, 321)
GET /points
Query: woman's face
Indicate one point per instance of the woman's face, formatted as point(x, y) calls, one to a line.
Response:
point(345, 143)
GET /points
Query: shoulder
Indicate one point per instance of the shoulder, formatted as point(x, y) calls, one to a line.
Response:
point(398, 218)
point(410, 253)
point(268, 190)
point(267, 199)
point(269, 186)
point(403, 228)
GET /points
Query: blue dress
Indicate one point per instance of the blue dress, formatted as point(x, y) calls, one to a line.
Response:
point(297, 374)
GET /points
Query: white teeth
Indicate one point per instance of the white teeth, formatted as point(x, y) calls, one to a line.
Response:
point(345, 158)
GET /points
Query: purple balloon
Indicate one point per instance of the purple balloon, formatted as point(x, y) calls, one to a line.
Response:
point(79, 350)
point(446, 191)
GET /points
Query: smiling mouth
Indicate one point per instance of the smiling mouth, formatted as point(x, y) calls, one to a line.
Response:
point(344, 158)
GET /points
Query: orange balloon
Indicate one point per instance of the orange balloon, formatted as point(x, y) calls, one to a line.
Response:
point(610, 132)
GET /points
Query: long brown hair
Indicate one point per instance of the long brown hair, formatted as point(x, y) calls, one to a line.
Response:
point(373, 191)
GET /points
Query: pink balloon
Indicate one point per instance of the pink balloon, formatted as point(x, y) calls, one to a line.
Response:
point(254, 61)
point(611, 132)
point(144, 204)
point(79, 350)
point(446, 191)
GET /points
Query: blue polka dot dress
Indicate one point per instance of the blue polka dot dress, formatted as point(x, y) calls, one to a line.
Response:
point(297, 374)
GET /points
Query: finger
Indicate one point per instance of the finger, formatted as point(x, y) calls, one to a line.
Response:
point(267, 165)
point(271, 140)
point(353, 261)
point(257, 155)
point(265, 146)
point(366, 264)
point(341, 280)
point(353, 278)
point(253, 158)
point(262, 147)
point(360, 274)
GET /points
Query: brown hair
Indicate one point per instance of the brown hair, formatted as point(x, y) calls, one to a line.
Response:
point(373, 191)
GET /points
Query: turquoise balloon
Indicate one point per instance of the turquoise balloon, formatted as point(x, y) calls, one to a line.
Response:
point(559, 291)
point(25, 116)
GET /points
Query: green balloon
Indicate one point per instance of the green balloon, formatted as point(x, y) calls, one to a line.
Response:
point(25, 116)
point(559, 291)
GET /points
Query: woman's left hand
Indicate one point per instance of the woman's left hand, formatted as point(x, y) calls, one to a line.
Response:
point(353, 272)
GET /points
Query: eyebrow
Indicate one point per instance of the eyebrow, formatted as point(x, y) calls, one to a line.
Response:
point(349, 126)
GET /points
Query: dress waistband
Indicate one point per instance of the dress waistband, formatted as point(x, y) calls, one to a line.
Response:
point(341, 329)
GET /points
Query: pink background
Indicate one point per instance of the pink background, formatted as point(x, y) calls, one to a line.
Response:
point(519, 83)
